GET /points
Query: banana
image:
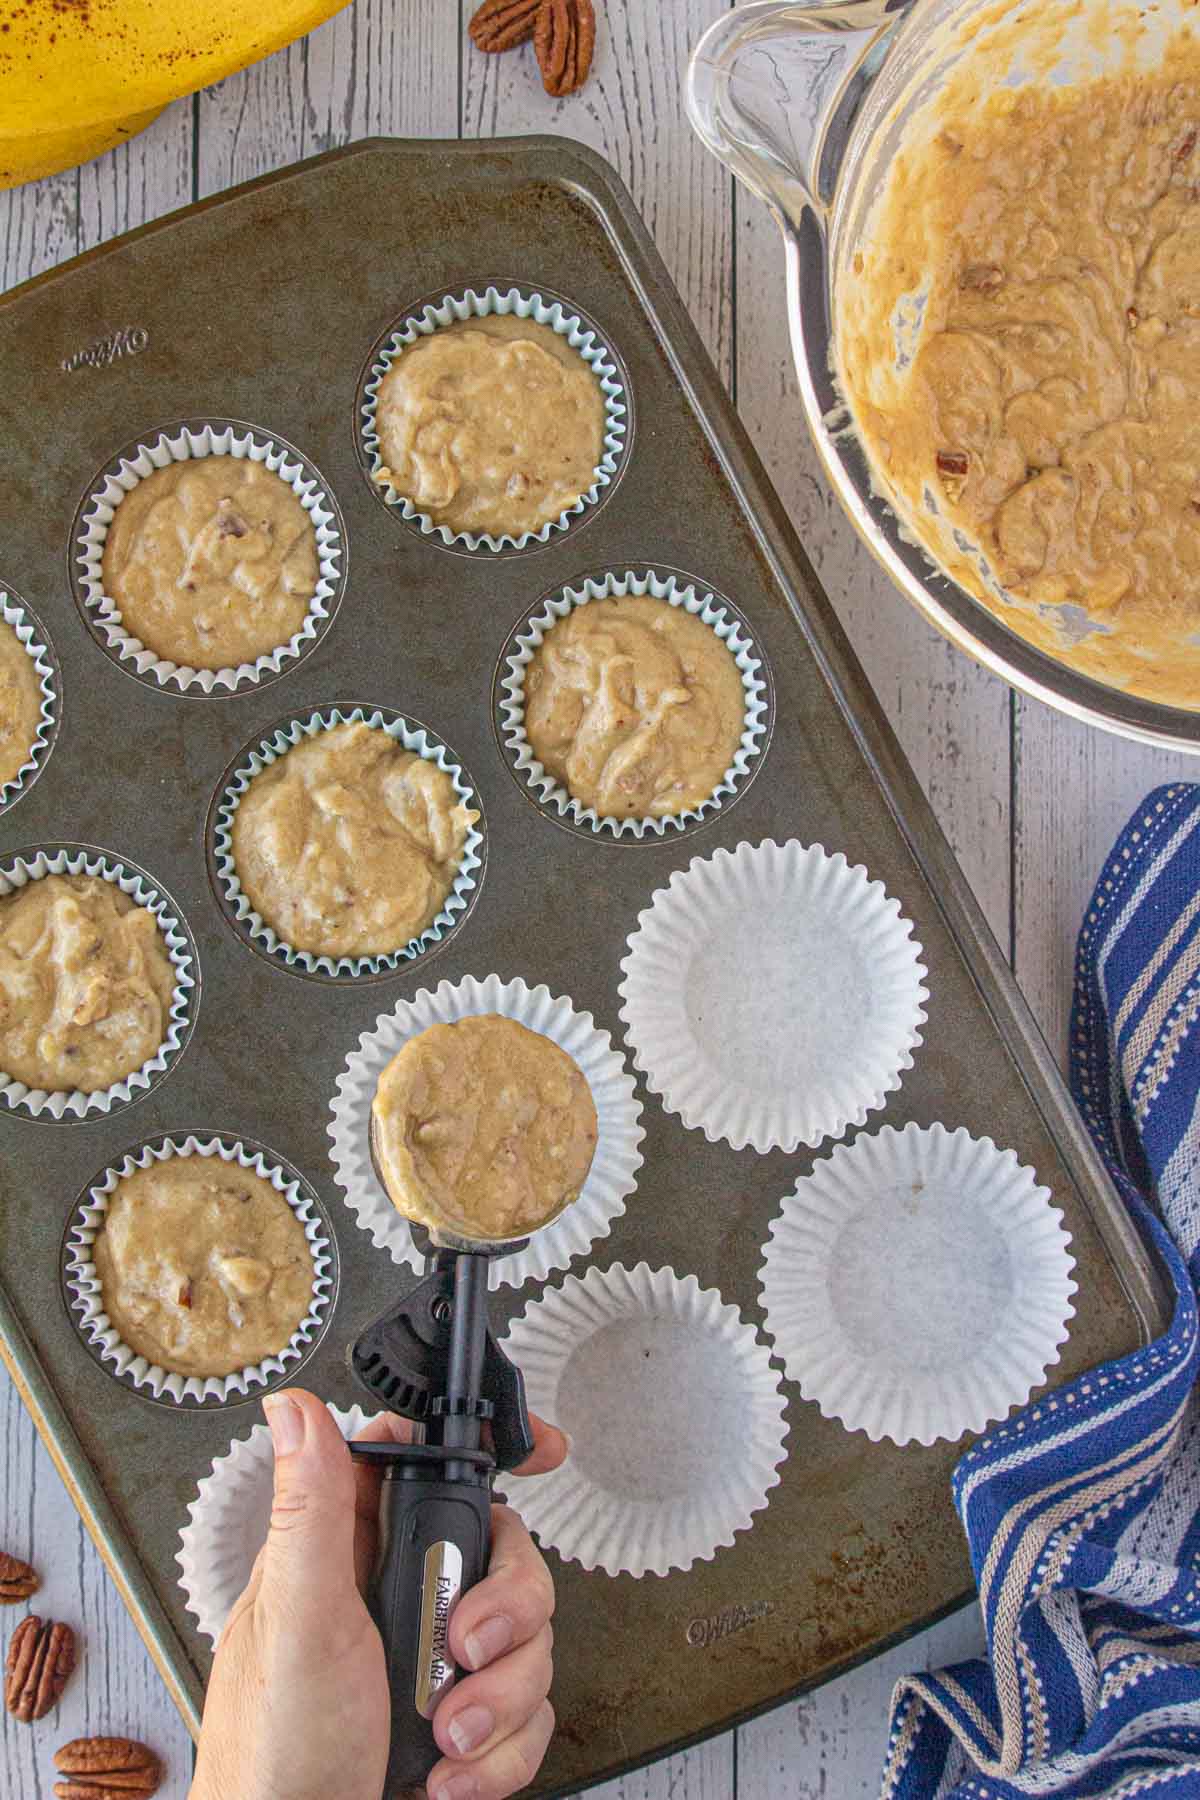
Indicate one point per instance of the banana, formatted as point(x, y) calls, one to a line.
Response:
point(78, 76)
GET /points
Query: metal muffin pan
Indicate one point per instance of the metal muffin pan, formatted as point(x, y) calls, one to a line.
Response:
point(262, 304)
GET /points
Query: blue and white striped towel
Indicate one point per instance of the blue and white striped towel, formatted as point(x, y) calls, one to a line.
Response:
point(1083, 1512)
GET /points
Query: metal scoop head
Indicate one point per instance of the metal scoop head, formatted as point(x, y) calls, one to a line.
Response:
point(442, 1237)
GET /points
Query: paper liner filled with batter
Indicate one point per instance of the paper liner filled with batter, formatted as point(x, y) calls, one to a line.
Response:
point(86, 1300)
point(81, 859)
point(675, 1415)
point(267, 750)
point(35, 642)
point(611, 1178)
point(181, 443)
point(673, 590)
point(772, 995)
point(917, 1284)
point(522, 303)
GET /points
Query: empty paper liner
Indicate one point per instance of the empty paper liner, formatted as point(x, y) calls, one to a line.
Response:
point(773, 995)
point(675, 1414)
point(918, 1284)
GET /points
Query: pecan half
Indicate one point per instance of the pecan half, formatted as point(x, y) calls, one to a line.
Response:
point(981, 278)
point(17, 1580)
point(503, 24)
point(99, 1767)
point(564, 39)
point(41, 1656)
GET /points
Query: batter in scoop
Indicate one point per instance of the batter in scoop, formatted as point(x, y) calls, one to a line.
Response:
point(490, 425)
point(1053, 403)
point(85, 984)
point(212, 562)
point(484, 1128)
point(349, 844)
point(636, 706)
point(204, 1267)
point(20, 703)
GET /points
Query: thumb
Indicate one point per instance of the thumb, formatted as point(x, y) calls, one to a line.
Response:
point(308, 1560)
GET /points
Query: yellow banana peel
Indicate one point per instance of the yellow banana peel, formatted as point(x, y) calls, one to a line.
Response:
point(78, 76)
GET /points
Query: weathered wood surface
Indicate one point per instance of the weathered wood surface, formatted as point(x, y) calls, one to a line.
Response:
point(1029, 801)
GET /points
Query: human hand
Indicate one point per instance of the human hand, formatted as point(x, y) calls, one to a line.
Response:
point(298, 1705)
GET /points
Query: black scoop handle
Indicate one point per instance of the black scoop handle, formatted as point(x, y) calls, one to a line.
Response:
point(435, 1532)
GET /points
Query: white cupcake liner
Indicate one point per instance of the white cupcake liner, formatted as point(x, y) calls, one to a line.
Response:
point(673, 589)
point(917, 1284)
point(276, 742)
point(611, 1178)
point(526, 303)
point(228, 1523)
point(180, 443)
point(675, 1414)
point(86, 1301)
point(772, 995)
point(82, 859)
point(35, 642)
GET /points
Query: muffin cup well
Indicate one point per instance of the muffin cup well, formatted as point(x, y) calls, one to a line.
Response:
point(228, 1521)
point(772, 995)
point(628, 1362)
point(35, 641)
point(917, 1284)
point(544, 308)
point(275, 742)
point(62, 1106)
point(673, 588)
point(611, 1178)
point(197, 438)
point(85, 1301)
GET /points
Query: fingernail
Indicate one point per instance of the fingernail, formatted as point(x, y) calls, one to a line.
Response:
point(488, 1641)
point(286, 1422)
point(470, 1727)
point(457, 1787)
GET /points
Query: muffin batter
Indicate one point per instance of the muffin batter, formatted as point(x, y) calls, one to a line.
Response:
point(490, 425)
point(204, 1268)
point(20, 703)
point(483, 1128)
point(635, 706)
point(1052, 409)
point(349, 844)
point(85, 984)
point(212, 562)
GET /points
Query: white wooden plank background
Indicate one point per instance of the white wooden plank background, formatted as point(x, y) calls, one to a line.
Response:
point(1029, 801)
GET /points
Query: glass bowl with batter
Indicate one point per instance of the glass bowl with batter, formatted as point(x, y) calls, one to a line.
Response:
point(927, 167)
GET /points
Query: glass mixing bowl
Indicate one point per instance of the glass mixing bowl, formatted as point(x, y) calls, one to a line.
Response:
point(807, 105)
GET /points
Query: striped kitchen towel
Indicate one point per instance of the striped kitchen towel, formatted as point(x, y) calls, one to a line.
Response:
point(1082, 1512)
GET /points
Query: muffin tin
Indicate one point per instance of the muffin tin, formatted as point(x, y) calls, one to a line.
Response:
point(263, 306)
